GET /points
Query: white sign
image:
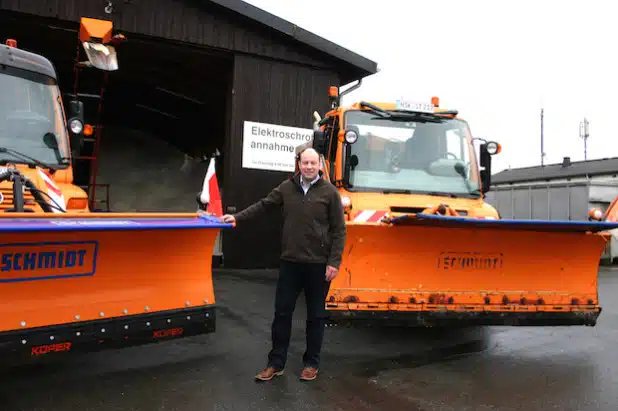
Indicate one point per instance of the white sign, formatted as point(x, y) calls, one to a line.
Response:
point(271, 146)
point(414, 106)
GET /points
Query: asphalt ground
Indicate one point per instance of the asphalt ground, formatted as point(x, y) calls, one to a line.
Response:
point(497, 368)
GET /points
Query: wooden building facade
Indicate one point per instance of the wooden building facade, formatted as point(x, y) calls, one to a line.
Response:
point(230, 61)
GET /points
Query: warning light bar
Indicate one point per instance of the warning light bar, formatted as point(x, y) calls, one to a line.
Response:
point(11, 43)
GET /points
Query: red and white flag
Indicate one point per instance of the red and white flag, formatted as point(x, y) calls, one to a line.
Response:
point(210, 191)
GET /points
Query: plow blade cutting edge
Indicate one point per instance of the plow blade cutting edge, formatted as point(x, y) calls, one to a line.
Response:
point(84, 282)
point(433, 270)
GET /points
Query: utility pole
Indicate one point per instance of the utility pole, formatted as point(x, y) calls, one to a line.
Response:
point(584, 133)
point(542, 148)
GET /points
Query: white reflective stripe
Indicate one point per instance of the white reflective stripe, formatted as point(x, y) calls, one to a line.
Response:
point(364, 215)
point(52, 191)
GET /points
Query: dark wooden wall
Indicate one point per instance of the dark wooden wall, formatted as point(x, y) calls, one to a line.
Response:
point(275, 80)
point(191, 21)
point(269, 92)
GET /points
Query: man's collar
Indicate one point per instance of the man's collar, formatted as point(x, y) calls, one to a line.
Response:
point(297, 177)
point(312, 182)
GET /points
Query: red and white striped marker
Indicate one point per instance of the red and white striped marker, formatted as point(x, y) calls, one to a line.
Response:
point(54, 192)
point(369, 216)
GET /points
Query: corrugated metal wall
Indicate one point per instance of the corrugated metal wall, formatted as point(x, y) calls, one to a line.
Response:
point(270, 92)
point(542, 202)
point(556, 201)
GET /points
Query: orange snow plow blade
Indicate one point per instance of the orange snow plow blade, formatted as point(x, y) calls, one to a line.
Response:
point(87, 282)
point(435, 270)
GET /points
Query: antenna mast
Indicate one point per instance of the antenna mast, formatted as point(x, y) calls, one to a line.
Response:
point(542, 141)
point(584, 133)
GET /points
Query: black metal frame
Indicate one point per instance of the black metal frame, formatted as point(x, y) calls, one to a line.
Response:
point(97, 335)
point(462, 318)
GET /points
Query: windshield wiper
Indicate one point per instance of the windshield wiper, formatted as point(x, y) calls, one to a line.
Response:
point(405, 115)
point(376, 110)
point(28, 159)
point(396, 191)
point(437, 113)
point(461, 170)
point(413, 116)
point(441, 194)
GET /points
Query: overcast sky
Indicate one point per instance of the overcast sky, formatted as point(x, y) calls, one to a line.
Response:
point(496, 62)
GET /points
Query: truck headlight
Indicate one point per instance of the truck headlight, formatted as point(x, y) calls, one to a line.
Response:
point(351, 136)
point(76, 126)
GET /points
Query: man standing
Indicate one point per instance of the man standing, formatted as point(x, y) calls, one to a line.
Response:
point(312, 244)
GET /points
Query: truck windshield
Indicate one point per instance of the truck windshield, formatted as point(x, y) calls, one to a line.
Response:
point(30, 108)
point(412, 154)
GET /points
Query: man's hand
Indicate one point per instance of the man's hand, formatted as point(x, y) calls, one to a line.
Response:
point(331, 272)
point(228, 218)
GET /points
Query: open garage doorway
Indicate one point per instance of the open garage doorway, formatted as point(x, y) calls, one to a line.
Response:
point(165, 112)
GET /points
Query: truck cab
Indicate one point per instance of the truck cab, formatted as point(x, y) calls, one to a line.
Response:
point(35, 134)
point(393, 158)
point(397, 163)
point(38, 143)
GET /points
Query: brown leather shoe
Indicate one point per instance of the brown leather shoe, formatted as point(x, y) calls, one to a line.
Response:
point(309, 373)
point(268, 374)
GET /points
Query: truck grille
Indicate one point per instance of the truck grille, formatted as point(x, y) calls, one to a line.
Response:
point(7, 198)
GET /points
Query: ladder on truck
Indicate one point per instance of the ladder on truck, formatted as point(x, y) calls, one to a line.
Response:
point(90, 153)
point(92, 145)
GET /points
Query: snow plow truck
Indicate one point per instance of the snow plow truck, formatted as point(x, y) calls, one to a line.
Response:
point(72, 279)
point(423, 248)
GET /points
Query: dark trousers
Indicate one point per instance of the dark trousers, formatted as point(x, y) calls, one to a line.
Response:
point(294, 277)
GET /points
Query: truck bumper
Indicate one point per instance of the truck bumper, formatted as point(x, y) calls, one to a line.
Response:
point(115, 332)
point(583, 317)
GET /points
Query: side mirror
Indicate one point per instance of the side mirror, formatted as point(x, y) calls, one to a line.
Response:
point(76, 124)
point(353, 161)
point(319, 141)
point(487, 149)
point(76, 116)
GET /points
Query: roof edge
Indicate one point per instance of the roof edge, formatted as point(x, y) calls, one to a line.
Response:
point(557, 164)
point(299, 34)
point(497, 179)
point(25, 60)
